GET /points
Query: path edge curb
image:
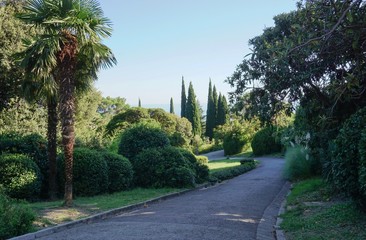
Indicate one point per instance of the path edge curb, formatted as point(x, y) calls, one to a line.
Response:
point(104, 215)
point(270, 229)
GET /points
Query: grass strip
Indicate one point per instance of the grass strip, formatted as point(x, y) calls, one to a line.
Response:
point(312, 214)
point(53, 213)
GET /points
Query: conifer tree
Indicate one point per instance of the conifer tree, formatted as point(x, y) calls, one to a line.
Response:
point(222, 110)
point(192, 111)
point(210, 114)
point(183, 100)
point(216, 103)
point(139, 102)
point(171, 106)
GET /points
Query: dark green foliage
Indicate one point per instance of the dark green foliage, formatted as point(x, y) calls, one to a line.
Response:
point(90, 172)
point(210, 114)
point(16, 218)
point(231, 172)
point(298, 164)
point(346, 156)
point(362, 168)
point(200, 169)
point(222, 111)
point(163, 167)
point(123, 120)
point(140, 137)
point(247, 160)
point(233, 144)
point(264, 142)
point(120, 173)
point(236, 135)
point(171, 106)
point(183, 100)
point(20, 177)
point(202, 159)
point(33, 145)
point(177, 140)
point(193, 111)
point(11, 35)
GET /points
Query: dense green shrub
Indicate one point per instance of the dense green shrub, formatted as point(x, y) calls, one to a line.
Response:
point(346, 156)
point(201, 171)
point(231, 172)
point(9, 143)
point(298, 164)
point(163, 167)
point(20, 177)
point(16, 218)
point(264, 142)
point(362, 169)
point(90, 172)
point(33, 145)
point(202, 159)
point(120, 173)
point(140, 137)
point(233, 144)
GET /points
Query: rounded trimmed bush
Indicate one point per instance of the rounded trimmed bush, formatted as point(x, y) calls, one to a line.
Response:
point(233, 144)
point(33, 145)
point(140, 137)
point(202, 159)
point(201, 171)
point(20, 177)
point(90, 172)
point(120, 173)
point(162, 167)
point(264, 142)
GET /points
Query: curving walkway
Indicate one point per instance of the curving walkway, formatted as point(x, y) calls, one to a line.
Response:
point(231, 210)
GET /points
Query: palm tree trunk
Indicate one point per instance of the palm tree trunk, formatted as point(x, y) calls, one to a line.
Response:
point(67, 106)
point(66, 80)
point(52, 147)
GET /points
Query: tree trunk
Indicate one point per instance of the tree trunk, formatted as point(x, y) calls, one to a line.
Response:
point(67, 106)
point(66, 80)
point(52, 146)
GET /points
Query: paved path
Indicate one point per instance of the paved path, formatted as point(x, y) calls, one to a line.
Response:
point(231, 210)
point(216, 155)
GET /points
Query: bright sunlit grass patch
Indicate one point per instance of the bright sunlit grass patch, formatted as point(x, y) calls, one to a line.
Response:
point(218, 165)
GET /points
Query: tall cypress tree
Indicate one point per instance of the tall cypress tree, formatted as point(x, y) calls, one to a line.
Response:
point(210, 114)
point(216, 103)
point(171, 106)
point(183, 102)
point(139, 102)
point(192, 111)
point(222, 110)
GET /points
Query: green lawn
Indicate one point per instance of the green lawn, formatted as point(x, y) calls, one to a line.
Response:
point(52, 213)
point(218, 165)
point(312, 214)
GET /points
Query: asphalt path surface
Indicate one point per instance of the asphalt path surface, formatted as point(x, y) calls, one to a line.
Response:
point(230, 210)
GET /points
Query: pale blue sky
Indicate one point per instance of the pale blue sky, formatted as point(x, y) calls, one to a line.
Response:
point(158, 41)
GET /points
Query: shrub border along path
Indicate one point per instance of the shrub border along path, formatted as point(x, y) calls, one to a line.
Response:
point(269, 213)
point(114, 212)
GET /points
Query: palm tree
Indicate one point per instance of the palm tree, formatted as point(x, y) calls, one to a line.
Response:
point(34, 89)
point(68, 50)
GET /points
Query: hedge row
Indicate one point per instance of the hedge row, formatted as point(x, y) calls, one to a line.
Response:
point(232, 172)
point(97, 172)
